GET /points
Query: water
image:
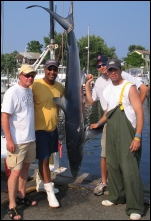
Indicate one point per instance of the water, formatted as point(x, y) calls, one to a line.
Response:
point(92, 149)
point(145, 158)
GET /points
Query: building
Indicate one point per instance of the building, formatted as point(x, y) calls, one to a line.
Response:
point(27, 57)
point(146, 56)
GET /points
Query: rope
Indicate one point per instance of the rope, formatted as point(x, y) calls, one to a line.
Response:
point(70, 28)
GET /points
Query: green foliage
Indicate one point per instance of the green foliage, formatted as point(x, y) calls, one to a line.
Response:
point(8, 63)
point(97, 46)
point(134, 60)
point(34, 46)
point(132, 48)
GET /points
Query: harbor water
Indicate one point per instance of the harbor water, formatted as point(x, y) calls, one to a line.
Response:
point(92, 149)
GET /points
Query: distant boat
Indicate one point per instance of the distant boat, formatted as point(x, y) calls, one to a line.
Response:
point(3, 90)
point(8, 82)
point(4, 80)
point(61, 73)
point(139, 74)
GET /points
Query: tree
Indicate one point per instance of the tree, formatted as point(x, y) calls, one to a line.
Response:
point(34, 46)
point(135, 47)
point(8, 62)
point(134, 60)
point(97, 46)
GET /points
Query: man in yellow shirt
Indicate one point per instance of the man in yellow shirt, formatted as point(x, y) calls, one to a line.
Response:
point(46, 121)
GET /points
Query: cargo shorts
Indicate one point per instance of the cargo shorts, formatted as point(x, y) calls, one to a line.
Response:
point(24, 153)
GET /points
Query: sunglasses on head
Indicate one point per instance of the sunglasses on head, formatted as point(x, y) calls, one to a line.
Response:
point(29, 75)
point(100, 65)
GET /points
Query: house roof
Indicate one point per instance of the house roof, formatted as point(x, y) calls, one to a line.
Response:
point(29, 55)
point(143, 52)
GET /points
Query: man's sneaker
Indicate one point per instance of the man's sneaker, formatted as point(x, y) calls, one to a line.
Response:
point(135, 216)
point(107, 203)
point(99, 189)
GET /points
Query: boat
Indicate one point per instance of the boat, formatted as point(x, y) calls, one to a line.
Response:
point(13, 81)
point(39, 68)
point(4, 80)
point(8, 81)
point(3, 90)
point(61, 73)
point(139, 74)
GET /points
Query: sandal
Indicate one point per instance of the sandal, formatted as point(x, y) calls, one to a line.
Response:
point(13, 212)
point(25, 201)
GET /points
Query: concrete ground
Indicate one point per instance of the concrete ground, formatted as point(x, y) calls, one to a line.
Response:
point(77, 202)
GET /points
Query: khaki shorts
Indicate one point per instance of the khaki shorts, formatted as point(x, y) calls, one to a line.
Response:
point(103, 142)
point(24, 153)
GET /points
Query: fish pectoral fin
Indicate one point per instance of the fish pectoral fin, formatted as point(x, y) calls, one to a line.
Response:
point(60, 102)
point(91, 133)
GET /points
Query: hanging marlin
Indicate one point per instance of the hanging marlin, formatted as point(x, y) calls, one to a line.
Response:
point(71, 102)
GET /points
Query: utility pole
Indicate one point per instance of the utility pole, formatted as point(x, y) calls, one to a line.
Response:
point(88, 48)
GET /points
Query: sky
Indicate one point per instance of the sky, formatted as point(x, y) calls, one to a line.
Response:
point(119, 23)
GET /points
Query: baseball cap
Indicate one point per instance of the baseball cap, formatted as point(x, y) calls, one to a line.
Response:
point(102, 58)
point(26, 68)
point(51, 62)
point(113, 63)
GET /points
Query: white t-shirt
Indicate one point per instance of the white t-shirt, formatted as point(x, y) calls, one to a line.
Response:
point(112, 96)
point(18, 102)
point(101, 83)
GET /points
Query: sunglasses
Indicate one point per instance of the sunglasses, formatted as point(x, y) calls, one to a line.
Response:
point(52, 68)
point(29, 75)
point(100, 65)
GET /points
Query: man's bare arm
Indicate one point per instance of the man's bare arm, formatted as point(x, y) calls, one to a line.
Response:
point(143, 92)
point(102, 120)
point(6, 128)
point(138, 108)
point(90, 78)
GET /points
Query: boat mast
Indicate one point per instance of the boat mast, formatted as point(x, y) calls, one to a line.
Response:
point(2, 25)
point(62, 30)
point(52, 41)
point(70, 11)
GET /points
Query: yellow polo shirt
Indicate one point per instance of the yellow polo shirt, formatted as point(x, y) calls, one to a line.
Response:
point(45, 109)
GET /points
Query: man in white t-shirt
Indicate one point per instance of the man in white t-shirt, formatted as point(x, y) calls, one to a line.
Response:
point(19, 130)
point(125, 118)
point(97, 95)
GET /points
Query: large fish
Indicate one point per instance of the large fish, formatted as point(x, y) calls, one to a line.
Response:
point(71, 103)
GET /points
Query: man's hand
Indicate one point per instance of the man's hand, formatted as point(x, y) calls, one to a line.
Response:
point(93, 126)
point(89, 77)
point(135, 145)
point(10, 146)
